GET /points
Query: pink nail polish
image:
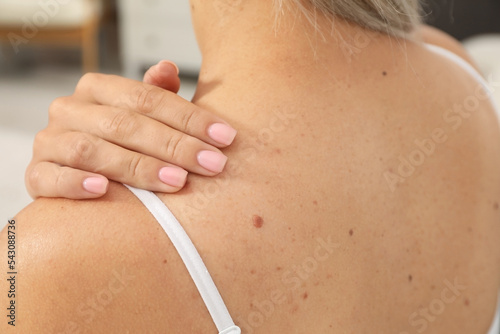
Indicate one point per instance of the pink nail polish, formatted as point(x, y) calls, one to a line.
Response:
point(96, 185)
point(173, 176)
point(222, 133)
point(212, 161)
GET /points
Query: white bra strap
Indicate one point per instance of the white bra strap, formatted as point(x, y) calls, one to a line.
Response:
point(466, 67)
point(192, 260)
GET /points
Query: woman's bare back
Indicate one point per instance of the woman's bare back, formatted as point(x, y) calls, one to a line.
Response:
point(354, 201)
point(368, 199)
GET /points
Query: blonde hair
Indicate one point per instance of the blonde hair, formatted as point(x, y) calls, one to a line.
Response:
point(393, 17)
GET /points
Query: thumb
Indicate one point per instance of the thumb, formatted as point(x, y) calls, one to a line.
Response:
point(165, 75)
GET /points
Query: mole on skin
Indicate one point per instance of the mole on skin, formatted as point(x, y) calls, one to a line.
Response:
point(257, 221)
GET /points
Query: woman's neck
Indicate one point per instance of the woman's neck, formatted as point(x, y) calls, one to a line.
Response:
point(246, 40)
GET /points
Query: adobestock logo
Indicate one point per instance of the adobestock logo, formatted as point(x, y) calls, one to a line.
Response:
point(40, 19)
point(292, 280)
point(453, 119)
point(94, 305)
point(421, 319)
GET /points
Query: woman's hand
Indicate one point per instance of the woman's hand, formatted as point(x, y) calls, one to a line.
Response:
point(141, 134)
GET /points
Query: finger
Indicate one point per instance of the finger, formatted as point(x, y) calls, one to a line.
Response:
point(141, 134)
point(156, 103)
point(86, 152)
point(47, 179)
point(164, 75)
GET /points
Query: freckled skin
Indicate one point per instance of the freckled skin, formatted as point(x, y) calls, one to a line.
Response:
point(362, 281)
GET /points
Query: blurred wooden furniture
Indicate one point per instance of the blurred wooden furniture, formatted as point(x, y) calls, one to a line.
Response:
point(47, 22)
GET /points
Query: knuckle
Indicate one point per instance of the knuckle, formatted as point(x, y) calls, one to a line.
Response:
point(40, 140)
point(60, 181)
point(147, 99)
point(187, 117)
point(84, 81)
point(120, 126)
point(87, 80)
point(134, 166)
point(81, 150)
point(173, 146)
point(58, 106)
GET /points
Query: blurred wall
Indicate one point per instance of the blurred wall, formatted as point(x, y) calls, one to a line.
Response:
point(464, 18)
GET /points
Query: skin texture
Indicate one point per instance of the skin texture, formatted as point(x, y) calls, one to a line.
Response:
point(318, 133)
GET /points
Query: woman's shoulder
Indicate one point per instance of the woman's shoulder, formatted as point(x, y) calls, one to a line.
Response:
point(465, 100)
point(451, 95)
point(434, 36)
point(84, 264)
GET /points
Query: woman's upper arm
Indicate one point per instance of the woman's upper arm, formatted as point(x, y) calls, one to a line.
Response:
point(101, 266)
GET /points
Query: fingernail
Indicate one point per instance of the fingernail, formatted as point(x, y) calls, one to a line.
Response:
point(222, 133)
point(164, 63)
point(96, 185)
point(212, 161)
point(173, 176)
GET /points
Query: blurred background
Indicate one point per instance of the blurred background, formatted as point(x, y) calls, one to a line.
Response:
point(46, 45)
